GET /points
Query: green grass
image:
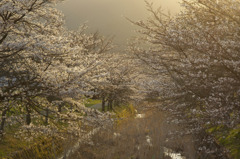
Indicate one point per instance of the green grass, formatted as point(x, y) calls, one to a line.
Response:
point(90, 102)
point(124, 113)
point(16, 148)
point(10, 144)
point(229, 138)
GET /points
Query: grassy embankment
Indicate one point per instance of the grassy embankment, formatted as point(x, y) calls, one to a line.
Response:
point(42, 147)
point(229, 138)
point(90, 102)
point(124, 113)
point(226, 137)
point(18, 148)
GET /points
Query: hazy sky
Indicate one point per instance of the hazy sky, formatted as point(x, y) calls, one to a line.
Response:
point(107, 16)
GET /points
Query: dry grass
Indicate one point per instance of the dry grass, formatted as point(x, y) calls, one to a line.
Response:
point(132, 142)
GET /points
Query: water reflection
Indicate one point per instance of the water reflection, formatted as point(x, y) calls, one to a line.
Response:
point(167, 151)
point(172, 154)
point(139, 116)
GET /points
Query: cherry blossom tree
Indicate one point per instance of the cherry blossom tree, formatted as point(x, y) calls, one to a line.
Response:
point(194, 57)
point(116, 87)
point(29, 41)
point(43, 64)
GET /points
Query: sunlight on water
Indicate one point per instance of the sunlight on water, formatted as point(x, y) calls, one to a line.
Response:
point(140, 116)
point(172, 154)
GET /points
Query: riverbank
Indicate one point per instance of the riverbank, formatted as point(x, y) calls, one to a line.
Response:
point(141, 136)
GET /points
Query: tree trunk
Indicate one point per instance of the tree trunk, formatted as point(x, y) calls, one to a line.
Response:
point(110, 105)
point(28, 116)
point(3, 122)
point(60, 108)
point(103, 104)
point(46, 116)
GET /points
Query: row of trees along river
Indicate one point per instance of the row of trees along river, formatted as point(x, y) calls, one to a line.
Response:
point(188, 65)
